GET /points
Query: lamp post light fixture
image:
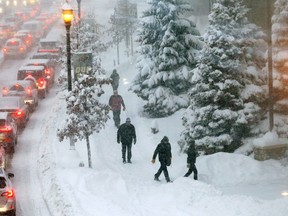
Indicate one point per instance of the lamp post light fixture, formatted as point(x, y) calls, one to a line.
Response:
point(67, 15)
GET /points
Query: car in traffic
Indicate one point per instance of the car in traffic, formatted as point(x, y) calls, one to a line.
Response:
point(18, 109)
point(13, 21)
point(35, 27)
point(26, 37)
point(14, 47)
point(23, 88)
point(36, 73)
point(8, 132)
point(7, 194)
point(49, 45)
point(5, 33)
point(48, 66)
point(53, 57)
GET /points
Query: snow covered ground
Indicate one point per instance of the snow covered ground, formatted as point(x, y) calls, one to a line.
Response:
point(228, 185)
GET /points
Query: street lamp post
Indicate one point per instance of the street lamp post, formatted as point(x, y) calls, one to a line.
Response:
point(67, 15)
point(79, 21)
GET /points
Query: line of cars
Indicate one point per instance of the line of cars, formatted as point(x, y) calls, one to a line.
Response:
point(21, 97)
point(19, 34)
point(19, 100)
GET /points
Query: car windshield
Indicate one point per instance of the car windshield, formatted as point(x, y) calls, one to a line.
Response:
point(13, 43)
point(17, 88)
point(23, 74)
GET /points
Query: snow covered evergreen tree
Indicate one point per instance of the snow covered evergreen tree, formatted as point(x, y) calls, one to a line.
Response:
point(86, 114)
point(168, 46)
point(89, 33)
point(227, 97)
point(280, 53)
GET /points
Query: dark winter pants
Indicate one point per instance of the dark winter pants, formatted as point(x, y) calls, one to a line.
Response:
point(116, 117)
point(163, 168)
point(115, 86)
point(126, 147)
point(192, 169)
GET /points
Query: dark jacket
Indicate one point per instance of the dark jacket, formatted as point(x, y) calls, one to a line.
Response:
point(115, 102)
point(163, 150)
point(126, 133)
point(191, 155)
point(115, 78)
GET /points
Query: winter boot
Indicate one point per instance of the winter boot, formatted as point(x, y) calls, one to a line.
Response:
point(124, 161)
point(168, 180)
point(156, 178)
point(195, 177)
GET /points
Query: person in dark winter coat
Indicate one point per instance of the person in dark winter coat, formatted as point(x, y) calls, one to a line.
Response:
point(126, 134)
point(163, 150)
point(191, 160)
point(115, 79)
point(115, 103)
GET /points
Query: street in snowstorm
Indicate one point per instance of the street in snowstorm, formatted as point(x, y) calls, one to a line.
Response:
point(54, 179)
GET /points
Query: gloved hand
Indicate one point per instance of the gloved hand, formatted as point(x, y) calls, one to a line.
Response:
point(118, 141)
point(134, 141)
point(153, 161)
point(124, 108)
point(188, 165)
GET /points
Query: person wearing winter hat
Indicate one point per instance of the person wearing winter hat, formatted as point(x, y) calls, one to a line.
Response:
point(126, 134)
point(114, 79)
point(163, 150)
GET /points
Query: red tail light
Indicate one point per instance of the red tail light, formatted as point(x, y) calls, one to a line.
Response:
point(6, 129)
point(48, 73)
point(19, 113)
point(8, 194)
point(21, 49)
point(41, 82)
point(28, 91)
point(5, 91)
point(4, 50)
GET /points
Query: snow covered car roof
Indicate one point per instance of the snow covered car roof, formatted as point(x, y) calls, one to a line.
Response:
point(31, 68)
point(10, 103)
point(23, 83)
point(37, 61)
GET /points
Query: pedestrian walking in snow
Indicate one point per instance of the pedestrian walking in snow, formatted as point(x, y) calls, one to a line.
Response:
point(115, 80)
point(126, 134)
point(163, 150)
point(115, 102)
point(191, 160)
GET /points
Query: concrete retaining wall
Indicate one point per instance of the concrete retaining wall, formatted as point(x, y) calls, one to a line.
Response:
point(276, 152)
